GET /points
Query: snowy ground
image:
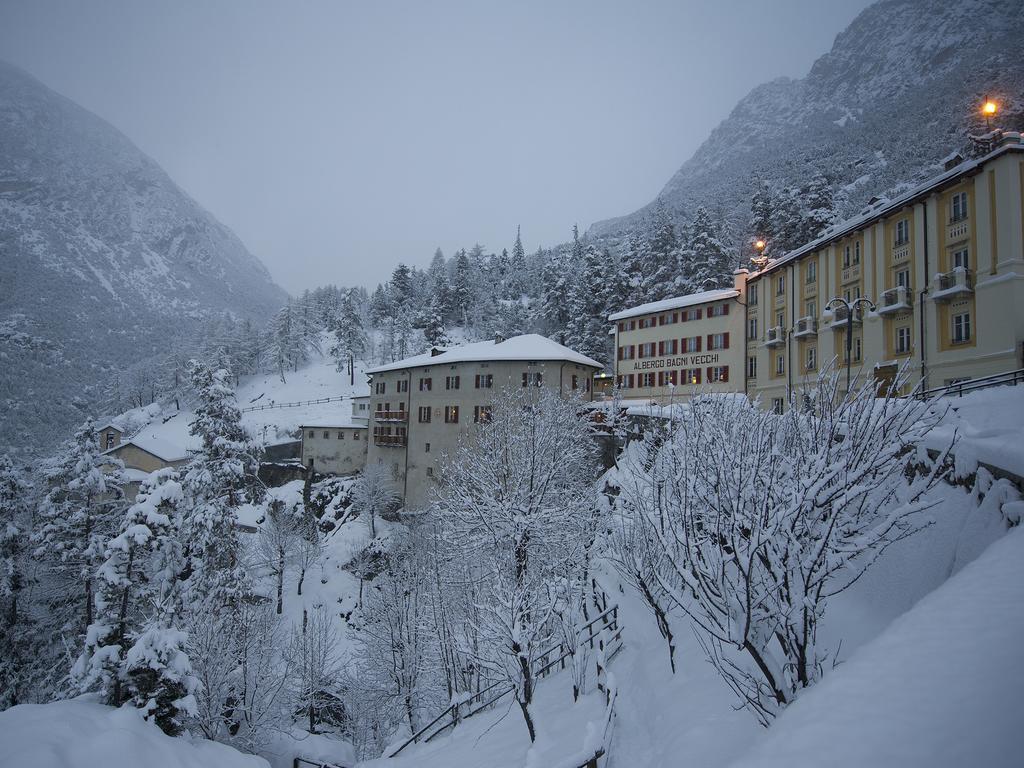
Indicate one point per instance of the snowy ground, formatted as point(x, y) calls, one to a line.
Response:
point(939, 687)
point(82, 734)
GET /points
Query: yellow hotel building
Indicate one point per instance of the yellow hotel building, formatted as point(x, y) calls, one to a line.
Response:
point(943, 266)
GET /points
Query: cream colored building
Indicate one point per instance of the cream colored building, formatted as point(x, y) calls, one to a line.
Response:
point(943, 264)
point(420, 406)
point(666, 349)
point(335, 449)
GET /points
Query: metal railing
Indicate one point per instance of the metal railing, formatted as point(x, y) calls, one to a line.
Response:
point(383, 415)
point(605, 622)
point(1009, 378)
point(297, 404)
point(390, 440)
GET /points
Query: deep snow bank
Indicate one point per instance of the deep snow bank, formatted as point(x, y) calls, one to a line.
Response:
point(939, 687)
point(81, 734)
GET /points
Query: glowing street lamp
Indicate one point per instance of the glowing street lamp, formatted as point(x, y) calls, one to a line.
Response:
point(760, 260)
point(989, 110)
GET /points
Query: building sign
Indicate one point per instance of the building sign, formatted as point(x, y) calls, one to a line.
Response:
point(685, 361)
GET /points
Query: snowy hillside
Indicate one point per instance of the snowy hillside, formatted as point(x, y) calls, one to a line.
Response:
point(102, 258)
point(897, 92)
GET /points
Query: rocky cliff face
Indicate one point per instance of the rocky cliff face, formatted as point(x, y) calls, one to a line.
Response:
point(102, 261)
point(898, 92)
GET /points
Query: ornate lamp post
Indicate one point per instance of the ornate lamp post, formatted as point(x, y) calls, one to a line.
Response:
point(989, 110)
point(850, 308)
point(760, 260)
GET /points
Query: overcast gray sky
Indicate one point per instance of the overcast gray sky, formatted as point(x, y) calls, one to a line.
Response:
point(337, 139)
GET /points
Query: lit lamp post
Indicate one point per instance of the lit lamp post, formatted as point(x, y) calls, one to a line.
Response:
point(850, 307)
point(989, 110)
point(760, 259)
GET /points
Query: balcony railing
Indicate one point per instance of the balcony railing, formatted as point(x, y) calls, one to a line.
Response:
point(954, 283)
point(851, 273)
point(958, 229)
point(841, 314)
point(775, 336)
point(806, 326)
point(390, 415)
point(900, 252)
point(895, 299)
point(390, 441)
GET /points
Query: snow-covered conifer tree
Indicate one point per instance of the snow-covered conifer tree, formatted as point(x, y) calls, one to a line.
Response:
point(16, 651)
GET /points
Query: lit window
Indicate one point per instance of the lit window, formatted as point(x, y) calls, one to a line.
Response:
point(451, 414)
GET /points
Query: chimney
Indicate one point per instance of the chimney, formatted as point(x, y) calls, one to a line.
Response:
point(739, 279)
point(952, 161)
point(434, 351)
point(498, 338)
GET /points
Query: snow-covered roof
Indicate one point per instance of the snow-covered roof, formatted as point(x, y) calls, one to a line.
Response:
point(336, 425)
point(162, 449)
point(887, 207)
point(690, 300)
point(530, 346)
point(110, 425)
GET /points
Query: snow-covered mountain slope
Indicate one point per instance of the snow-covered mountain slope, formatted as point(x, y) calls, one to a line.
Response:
point(939, 687)
point(899, 89)
point(102, 259)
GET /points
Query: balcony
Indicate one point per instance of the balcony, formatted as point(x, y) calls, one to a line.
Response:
point(390, 441)
point(896, 299)
point(957, 229)
point(900, 253)
point(851, 273)
point(390, 415)
point(806, 326)
point(841, 314)
point(953, 284)
point(775, 337)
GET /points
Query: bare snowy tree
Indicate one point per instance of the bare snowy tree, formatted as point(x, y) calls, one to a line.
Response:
point(374, 493)
point(757, 519)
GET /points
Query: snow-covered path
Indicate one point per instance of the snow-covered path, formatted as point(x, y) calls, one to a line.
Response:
point(941, 686)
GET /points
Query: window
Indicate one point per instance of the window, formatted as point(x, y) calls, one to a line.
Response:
point(484, 380)
point(668, 378)
point(669, 318)
point(856, 252)
point(719, 373)
point(481, 414)
point(812, 359)
point(752, 328)
point(752, 367)
point(403, 385)
point(752, 297)
point(327, 435)
point(356, 434)
point(857, 349)
point(718, 310)
point(379, 388)
point(960, 259)
point(647, 322)
point(451, 414)
point(780, 319)
point(812, 272)
point(627, 352)
point(647, 350)
point(313, 434)
point(110, 440)
point(426, 384)
point(430, 471)
point(903, 279)
point(958, 207)
point(341, 435)
point(777, 405)
point(780, 285)
point(670, 347)
point(812, 308)
point(533, 379)
point(718, 341)
point(424, 414)
point(691, 344)
point(426, 447)
point(647, 379)
point(692, 314)
point(902, 232)
point(961, 328)
point(625, 382)
point(780, 364)
point(902, 340)
point(451, 382)
point(690, 376)
point(846, 257)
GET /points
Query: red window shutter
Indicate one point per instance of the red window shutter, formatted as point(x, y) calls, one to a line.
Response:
point(725, 340)
point(620, 357)
point(698, 343)
point(632, 351)
point(711, 338)
point(711, 374)
point(661, 378)
point(697, 372)
point(629, 379)
point(725, 309)
point(725, 373)
point(661, 348)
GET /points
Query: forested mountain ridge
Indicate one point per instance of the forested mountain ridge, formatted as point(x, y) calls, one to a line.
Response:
point(103, 259)
point(899, 90)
